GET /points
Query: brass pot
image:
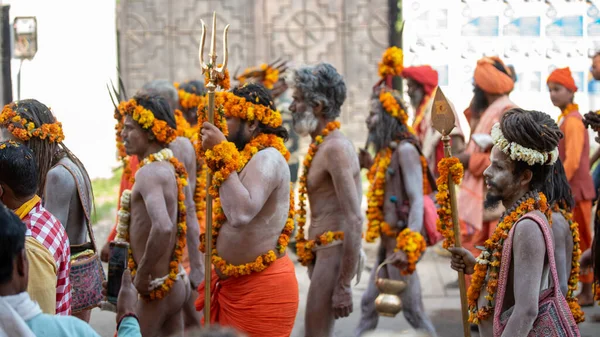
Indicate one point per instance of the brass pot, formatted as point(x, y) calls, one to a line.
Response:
point(388, 302)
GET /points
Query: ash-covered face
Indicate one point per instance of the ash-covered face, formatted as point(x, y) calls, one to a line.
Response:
point(239, 133)
point(501, 181)
point(415, 92)
point(304, 120)
point(374, 115)
point(135, 139)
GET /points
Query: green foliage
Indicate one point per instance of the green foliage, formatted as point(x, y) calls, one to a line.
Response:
point(106, 195)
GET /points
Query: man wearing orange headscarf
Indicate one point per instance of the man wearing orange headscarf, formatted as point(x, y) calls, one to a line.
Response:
point(574, 150)
point(422, 82)
point(493, 82)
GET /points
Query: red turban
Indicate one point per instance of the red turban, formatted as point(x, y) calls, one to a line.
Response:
point(492, 80)
point(563, 77)
point(425, 75)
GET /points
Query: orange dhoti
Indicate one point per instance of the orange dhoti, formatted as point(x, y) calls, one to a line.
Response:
point(259, 304)
point(582, 214)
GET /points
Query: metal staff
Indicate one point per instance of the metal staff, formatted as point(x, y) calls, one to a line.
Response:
point(442, 117)
point(214, 73)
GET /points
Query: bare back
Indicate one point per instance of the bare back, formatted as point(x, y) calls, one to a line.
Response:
point(563, 249)
point(154, 203)
point(184, 151)
point(327, 211)
point(256, 203)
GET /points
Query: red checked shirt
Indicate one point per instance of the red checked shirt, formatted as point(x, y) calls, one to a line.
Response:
point(45, 228)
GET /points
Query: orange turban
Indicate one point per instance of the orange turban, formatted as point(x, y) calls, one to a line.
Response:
point(425, 75)
point(563, 77)
point(492, 80)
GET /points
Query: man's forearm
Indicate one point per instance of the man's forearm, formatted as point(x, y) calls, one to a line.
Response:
point(155, 249)
point(193, 232)
point(521, 321)
point(415, 215)
point(351, 249)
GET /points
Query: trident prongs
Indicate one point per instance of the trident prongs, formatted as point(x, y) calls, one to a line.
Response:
point(211, 66)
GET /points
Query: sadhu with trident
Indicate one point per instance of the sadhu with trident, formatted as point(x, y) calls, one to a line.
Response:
point(252, 286)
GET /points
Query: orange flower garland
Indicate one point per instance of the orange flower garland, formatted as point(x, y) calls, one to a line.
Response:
point(271, 75)
point(24, 130)
point(223, 81)
point(448, 168)
point(488, 263)
point(189, 100)
point(391, 63)
point(570, 108)
point(391, 106)
point(236, 106)
point(184, 129)
point(578, 314)
point(304, 250)
point(121, 153)
point(200, 194)
point(420, 113)
point(376, 197)
point(413, 244)
point(159, 128)
point(181, 175)
point(263, 261)
point(303, 190)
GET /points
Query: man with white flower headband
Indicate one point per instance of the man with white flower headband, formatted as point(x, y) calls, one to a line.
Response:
point(254, 287)
point(152, 216)
point(512, 269)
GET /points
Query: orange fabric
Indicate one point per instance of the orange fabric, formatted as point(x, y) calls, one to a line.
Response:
point(425, 75)
point(492, 80)
point(574, 135)
point(582, 214)
point(478, 162)
point(472, 189)
point(125, 185)
point(259, 304)
point(563, 77)
point(471, 237)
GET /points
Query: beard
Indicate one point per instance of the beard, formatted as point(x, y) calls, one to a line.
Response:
point(239, 139)
point(480, 103)
point(492, 201)
point(305, 122)
point(416, 98)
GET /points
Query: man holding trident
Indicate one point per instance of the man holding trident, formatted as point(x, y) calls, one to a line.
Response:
point(253, 283)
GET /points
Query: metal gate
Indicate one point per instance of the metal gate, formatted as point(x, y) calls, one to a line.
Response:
point(158, 39)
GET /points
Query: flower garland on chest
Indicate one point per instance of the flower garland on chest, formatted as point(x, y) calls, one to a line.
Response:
point(578, 314)
point(488, 262)
point(303, 246)
point(123, 232)
point(223, 160)
point(570, 108)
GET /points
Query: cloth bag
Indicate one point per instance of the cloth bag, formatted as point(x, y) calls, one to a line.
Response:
point(554, 315)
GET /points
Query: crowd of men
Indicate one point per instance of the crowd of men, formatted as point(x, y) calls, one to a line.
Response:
point(520, 167)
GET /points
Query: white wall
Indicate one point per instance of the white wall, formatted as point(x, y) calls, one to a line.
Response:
point(76, 58)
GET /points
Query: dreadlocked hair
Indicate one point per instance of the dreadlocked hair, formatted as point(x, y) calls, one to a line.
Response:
point(159, 106)
point(388, 128)
point(258, 94)
point(535, 130)
point(47, 154)
point(558, 190)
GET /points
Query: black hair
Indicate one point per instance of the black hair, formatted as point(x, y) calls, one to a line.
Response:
point(258, 94)
point(388, 128)
point(12, 242)
point(534, 130)
point(193, 87)
point(557, 188)
point(159, 107)
point(18, 169)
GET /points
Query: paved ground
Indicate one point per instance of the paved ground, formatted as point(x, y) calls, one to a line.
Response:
point(442, 305)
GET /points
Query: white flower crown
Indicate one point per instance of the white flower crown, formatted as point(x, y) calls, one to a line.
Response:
point(518, 152)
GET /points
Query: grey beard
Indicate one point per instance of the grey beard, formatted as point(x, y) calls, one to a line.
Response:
point(305, 123)
point(384, 132)
point(416, 99)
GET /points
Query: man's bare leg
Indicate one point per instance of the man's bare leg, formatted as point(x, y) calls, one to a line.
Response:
point(191, 317)
point(160, 317)
point(369, 316)
point(319, 319)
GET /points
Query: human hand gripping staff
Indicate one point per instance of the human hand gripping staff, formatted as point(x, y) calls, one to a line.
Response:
point(213, 75)
point(451, 172)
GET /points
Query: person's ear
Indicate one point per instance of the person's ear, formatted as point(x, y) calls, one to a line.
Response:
point(526, 177)
point(252, 126)
point(21, 263)
point(318, 108)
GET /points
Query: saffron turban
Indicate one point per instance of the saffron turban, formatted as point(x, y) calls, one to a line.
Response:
point(563, 77)
point(490, 79)
point(425, 75)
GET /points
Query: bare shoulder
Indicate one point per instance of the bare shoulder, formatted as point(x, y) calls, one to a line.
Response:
point(559, 224)
point(154, 175)
point(270, 162)
point(60, 176)
point(182, 144)
point(407, 149)
point(529, 234)
point(339, 152)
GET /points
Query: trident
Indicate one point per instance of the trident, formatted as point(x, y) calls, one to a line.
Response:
point(214, 73)
point(442, 118)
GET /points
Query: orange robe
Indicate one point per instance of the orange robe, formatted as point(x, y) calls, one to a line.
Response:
point(574, 151)
point(259, 304)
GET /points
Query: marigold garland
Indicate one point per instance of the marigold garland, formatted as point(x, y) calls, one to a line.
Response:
point(420, 114)
point(223, 80)
point(578, 314)
point(490, 259)
point(236, 106)
point(263, 261)
point(200, 194)
point(391, 63)
point(271, 75)
point(10, 143)
point(304, 249)
point(303, 188)
point(413, 244)
point(24, 130)
point(159, 128)
point(190, 101)
point(184, 129)
point(391, 106)
point(181, 175)
point(568, 109)
point(448, 167)
point(121, 152)
point(219, 121)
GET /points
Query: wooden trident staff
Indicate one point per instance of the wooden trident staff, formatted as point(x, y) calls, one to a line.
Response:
point(442, 118)
point(214, 73)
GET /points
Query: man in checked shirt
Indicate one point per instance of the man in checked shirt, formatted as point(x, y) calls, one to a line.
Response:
point(46, 243)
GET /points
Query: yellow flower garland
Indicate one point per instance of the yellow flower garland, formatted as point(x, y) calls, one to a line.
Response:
point(228, 156)
point(420, 113)
point(223, 81)
point(181, 175)
point(414, 245)
point(24, 130)
point(10, 143)
point(304, 248)
point(200, 194)
point(159, 128)
point(305, 254)
point(391, 106)
point(392, 62)
point(184, 129)
point(270, 78)
point(570, 108)
point(491, 258)
point(447, 167)
point(578, 314)
point(235, 106)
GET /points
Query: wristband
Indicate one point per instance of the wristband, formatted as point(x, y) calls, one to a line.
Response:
point(129, 314)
